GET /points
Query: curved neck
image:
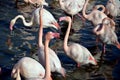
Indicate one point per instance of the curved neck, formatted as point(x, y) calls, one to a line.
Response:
point(66, 36)
point(48, 74)
point(61, 3)
point(40, 29)
point(100, 6)
point(23, 19)
point(84, 9)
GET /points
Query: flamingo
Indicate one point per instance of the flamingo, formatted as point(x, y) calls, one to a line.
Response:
point(111, 8)
point(31, 69)
point(39, 2)
point(96, 16)
point(76, 51)
point(55, 63)
point(49, 20)
point(106, 34)
point(72, 7)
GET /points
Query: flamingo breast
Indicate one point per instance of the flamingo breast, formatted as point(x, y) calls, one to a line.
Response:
point(55, 63)
point(72, 7)
point(30, 71)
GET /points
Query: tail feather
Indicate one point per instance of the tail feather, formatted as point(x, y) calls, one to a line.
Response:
point(63, 72)
point(118, 46)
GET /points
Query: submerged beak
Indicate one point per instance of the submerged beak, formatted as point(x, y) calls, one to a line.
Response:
point(11, 27)
point(92, 59)
point(57, 25)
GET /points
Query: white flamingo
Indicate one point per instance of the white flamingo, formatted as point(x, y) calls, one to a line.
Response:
point(111, 8)
point(76, 51)
point(72, 7)
point(55, 63)
point(48, 19)
point(31, 69)
point(95, 16)
point(106, 34)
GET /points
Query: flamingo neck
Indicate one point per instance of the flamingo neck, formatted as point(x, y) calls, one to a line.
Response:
point(101, 6)
point(48, 74)
point(66, 37)
point(23, 19)
point(40, 29)
point(61, 4)
point(84, 9)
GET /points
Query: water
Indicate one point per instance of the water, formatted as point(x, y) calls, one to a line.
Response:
point(23, 42)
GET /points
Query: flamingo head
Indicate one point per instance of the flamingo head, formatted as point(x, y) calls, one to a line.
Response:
point(92, 60)
point(66, 18)
point(109, 22)
point(51, 35)
point(12, 24)
point(98, 29)
point(56, 25)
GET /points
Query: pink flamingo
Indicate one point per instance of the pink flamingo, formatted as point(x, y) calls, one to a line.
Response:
point(96, 16)
point(31, 69)
point(55, 63)
point(106, 34)
point(49, 20)
point(111, 8)
point(76, 51)
point(72, 7)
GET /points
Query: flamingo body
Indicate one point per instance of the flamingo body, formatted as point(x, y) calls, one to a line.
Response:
point(95, 16)
point(72, 7)
point(106, 33)
point(55, 63)
point(111, 8)
point(80, 54)
point(28, 68)
point(76, 51)
point(48, 18)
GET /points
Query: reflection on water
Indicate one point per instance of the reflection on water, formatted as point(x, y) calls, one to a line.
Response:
point(23, 42)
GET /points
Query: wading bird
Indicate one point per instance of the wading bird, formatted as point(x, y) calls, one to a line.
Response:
point(76, 51)
point(72, 7)
point(95, 16)
point(30, 69)
point(106, 34)
point(55, 63)
point(48, 19)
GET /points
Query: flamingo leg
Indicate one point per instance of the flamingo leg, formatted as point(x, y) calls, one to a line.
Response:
point(78, 65)
point(103, 51)
point(83, 19)
point(97, 41)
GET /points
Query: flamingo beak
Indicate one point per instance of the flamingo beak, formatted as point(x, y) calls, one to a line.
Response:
point(11, 27)
point(56, 24)
point(92, 59)
point(56, 35)
point(62, 18)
